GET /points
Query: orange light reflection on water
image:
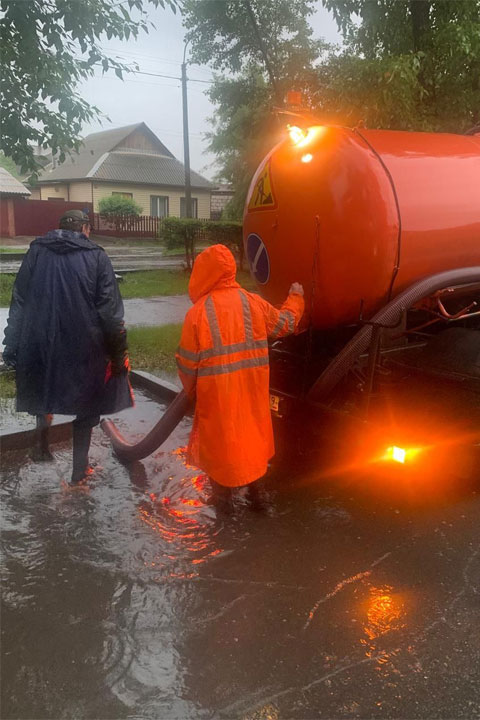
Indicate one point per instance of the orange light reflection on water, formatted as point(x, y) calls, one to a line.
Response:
point(181, 522)
point(385, 613)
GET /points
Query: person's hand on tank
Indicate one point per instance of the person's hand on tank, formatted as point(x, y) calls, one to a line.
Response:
point(296, 288)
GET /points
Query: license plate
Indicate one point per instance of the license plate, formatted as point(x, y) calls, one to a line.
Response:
point(274, 403)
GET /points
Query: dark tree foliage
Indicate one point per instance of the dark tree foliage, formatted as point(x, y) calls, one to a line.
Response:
point(260, 49)
point(47, 48)
point(407, 64)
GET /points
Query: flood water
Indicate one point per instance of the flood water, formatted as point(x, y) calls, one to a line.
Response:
point(133, 597)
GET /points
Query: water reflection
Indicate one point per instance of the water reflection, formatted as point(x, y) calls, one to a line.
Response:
point(133, 598)
point(385, 613)
point(182, 518)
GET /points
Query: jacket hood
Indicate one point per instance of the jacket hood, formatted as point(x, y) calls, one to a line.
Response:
point(215, 268)
point(65, 241)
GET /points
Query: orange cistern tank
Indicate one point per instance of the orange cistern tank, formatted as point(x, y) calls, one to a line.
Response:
point(357, 216)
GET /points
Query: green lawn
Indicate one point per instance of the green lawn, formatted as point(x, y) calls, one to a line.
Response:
point(153, 348)
point(148, 283)
point(6, 250)
point(141, 284)
point(7, 385)
point(6, 285)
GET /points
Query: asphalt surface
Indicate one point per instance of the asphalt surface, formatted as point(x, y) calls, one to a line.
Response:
point(135, 597)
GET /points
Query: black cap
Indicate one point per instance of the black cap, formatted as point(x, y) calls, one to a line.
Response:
point(74, 216)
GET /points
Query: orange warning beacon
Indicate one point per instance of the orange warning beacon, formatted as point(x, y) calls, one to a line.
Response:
point(357, 216)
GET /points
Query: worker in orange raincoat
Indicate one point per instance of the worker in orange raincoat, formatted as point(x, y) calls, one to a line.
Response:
point(223, 364)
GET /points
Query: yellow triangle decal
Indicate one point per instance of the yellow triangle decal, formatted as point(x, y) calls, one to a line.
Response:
point(262, 194)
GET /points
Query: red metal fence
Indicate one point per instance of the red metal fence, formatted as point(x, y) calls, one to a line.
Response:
point(19, 216)
point(36, 217)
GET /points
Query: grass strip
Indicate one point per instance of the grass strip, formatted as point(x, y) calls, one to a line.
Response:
point(6, 285)
point(8, 387)
point(141, 284)
point(150, 283)
point(153, 348)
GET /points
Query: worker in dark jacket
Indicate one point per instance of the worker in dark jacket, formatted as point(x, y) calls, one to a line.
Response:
point(66, 337)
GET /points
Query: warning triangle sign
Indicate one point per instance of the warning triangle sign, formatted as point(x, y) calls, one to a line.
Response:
point(262, 194)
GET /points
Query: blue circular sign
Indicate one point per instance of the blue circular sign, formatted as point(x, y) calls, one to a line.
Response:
point(258, 258)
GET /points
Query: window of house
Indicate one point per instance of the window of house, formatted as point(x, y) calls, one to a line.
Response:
point(123, 194)
point(194, 207)
point(159, 205)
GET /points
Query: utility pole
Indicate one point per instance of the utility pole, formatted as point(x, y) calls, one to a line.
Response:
point(186, 145)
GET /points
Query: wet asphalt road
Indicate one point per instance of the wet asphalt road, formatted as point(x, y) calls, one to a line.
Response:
point(135, 598)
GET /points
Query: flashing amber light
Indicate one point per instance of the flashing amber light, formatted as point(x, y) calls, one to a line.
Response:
point(301, 137)
point(308, 157)
point(397, 454)
point(296, 134)
point(401, 455)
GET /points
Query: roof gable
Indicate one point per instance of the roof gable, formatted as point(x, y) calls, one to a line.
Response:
point(145, 169)
point(142, 139)
point(94, 147)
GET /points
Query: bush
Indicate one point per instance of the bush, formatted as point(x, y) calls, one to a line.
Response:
point(174, 230)
point(114, 205)
point(187, 232)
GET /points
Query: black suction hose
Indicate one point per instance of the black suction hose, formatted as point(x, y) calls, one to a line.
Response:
point(128, 452)
point(389, 315)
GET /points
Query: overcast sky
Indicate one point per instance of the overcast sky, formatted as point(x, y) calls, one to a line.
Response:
point(157, 100)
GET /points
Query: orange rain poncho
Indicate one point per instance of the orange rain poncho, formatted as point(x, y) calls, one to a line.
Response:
point(223, 363)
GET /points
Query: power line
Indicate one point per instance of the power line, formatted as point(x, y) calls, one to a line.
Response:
point(119, 53)
point(170, 77)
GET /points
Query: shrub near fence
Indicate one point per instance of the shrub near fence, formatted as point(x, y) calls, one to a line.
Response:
point(186, 233)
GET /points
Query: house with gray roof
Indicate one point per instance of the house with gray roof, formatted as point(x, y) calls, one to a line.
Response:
point(10, 187)
point(129, 161)
point(11, 190)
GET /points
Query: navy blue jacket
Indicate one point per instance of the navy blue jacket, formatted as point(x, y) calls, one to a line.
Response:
point(65, 325)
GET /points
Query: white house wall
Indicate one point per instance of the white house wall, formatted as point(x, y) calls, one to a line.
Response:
point(58, 191)
point(141, 195)
point(81, 192)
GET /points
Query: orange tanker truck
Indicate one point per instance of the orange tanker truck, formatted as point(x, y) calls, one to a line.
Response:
point(382, 228)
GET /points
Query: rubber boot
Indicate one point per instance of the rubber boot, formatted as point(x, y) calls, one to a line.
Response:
point(81, 445)
point(258, 498)
point(41, 451)
point(222, 497)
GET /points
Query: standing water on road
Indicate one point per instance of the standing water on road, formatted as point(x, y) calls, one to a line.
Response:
point(133, 597)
